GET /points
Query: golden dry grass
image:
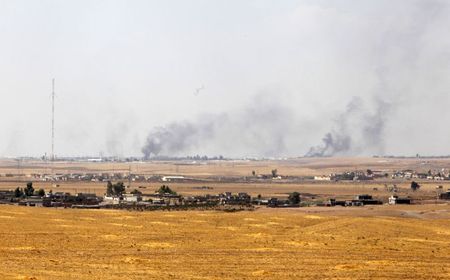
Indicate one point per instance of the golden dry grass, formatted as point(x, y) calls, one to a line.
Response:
point(294, 167)
point(340, 190)
point(40, 243)
point(291, 167)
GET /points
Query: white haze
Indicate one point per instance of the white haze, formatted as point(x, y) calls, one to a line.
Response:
point(277, 77)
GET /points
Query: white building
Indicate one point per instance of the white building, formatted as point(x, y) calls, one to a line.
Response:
point(322, 178)
point(170, 178)
point(132, 197)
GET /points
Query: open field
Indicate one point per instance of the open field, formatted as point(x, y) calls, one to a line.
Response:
point(370, 242)
point(215, 174)
point(46, 243)
point(290, 167)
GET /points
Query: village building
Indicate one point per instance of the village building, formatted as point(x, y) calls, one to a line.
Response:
point(322, 178)
point(445, 195)
point(6, 195)
point(133, 198)
point(172, 178)
point(394, 199)
point(365, 199)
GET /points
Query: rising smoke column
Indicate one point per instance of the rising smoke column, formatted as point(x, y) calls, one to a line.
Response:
point(397, 52)
point(358, 130)
point(174, 138)
point(260, 128)
point(394, 63)
point(339, 139)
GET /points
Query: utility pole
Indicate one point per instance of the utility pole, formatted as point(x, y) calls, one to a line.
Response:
point(129, 176)
point(19, 173)
point(52, 156)
point(53, 120)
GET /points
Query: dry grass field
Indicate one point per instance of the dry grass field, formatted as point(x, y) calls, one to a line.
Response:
point(42, 243)
point(371, 242)
point(293, 167)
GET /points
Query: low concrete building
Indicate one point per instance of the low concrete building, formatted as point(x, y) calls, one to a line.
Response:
point(112, 199)
point(334, 202)
point(33, 201)
point(172, 178)
point(394, 199)
point(365, 199)
point(132, 197)
point(322, 178)
point(445, 195)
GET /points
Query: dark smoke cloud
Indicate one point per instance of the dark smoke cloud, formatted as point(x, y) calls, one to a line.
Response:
point(260, 128)
point(355, 131)
point(361, 128)
point(338, 141)
point(400, 59)
point(177, 137)
point(332, 144)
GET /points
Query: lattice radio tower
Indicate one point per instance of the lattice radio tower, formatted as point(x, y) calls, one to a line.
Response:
point(52, 156)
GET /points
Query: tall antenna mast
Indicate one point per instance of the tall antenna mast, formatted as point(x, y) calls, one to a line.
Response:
point(53, 120)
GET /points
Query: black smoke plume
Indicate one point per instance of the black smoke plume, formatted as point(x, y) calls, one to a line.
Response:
point(259, 129)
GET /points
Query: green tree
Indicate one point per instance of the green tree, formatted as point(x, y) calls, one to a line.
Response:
point(109, 189)
point(166, 189)
point(294, 198)
point(18, 192)
point(115, 189)
point(119, 188)
point(41, 192)
point(274, 173)
point(29, 190)
point(415, 186)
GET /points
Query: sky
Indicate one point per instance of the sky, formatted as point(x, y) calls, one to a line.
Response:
point(252, 78)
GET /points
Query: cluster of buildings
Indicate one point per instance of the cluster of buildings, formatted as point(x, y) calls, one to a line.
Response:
point(366, 199)
point(90, 177)
point(137, 199)
point(104, 177)
point(445, 195)
point(359, 200)
point(371, 175)
point(125, 200)
point(158, 200)
point(351, 176)
point(221, 199)
point(430, 175)
point(57, 199)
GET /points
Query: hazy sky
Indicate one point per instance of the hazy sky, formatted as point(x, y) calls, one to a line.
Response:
point(276, 76)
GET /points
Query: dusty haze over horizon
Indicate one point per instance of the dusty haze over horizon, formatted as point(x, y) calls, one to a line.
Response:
point(234, 78)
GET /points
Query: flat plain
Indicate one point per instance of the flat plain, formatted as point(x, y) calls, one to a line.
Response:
point(370, 242)
point(215, 174)
point(43, 243)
